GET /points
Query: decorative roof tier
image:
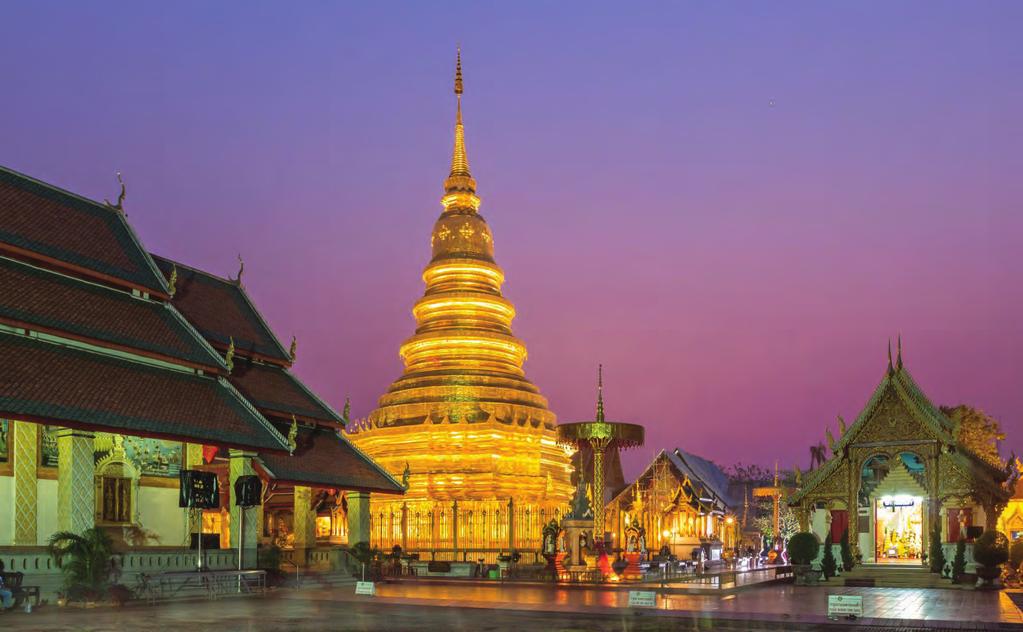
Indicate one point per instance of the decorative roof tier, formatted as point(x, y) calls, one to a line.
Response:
point(221, 310)
point(323, 458)
point(64, 231)
point(45, 301)
point(275, 391)
point(46, 382)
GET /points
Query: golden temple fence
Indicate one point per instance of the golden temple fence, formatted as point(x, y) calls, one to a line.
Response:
point(461, 529)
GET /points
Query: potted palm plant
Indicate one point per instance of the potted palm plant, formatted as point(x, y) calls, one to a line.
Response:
point(85, 560)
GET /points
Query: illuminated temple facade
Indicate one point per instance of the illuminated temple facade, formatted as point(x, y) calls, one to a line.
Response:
point(472, 437)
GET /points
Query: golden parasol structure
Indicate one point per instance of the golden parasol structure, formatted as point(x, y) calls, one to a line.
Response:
point(601, 435)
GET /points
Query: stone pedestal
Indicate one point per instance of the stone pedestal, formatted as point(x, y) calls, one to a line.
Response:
point(576, 531)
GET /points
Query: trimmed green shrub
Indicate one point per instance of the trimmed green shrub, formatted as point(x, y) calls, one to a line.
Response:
point(847, 557)
point(803, 548)
point(991, 549)
point(1016, 553)
point(959, 561)
point(937, 557)
point(828, 564)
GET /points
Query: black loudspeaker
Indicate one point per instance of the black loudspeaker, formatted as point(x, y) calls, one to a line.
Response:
point(198, 489)
point(248, 491)
point(972, 532)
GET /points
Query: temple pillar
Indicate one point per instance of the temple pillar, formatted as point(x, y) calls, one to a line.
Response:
point(304, 523)
point(193, 458)
point(454, 530)
point(24, 441)
point(404, 526)
point(511, 525)
point(245, 523)
point(358, 517)
point(76, 491)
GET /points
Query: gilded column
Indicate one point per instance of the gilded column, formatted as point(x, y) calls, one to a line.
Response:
point(304, 522)
point(76, 504)
point(511, 525)
point(358, 517)
point(26, 488)
point(244, 527)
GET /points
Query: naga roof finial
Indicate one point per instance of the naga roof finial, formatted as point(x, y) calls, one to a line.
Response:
point(172, 282)
point(898, 362)
point(293, 435)
point(241, 269)
point(293, 348)
point(347, 410)
point(229, 358)
point(120, 198)
point(890, 368)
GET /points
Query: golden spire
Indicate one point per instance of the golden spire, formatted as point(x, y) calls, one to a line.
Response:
point(460, 187)
point(600, 392)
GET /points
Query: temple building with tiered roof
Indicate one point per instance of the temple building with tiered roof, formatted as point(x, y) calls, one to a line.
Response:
point(472, 436)
point(120, 369)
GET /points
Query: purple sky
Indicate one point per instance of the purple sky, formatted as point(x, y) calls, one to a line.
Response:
point(733, 206)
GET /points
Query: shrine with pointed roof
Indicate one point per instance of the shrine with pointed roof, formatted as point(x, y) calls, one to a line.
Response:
point(898, 472)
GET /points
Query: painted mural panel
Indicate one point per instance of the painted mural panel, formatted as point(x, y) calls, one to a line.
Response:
point(153, 457)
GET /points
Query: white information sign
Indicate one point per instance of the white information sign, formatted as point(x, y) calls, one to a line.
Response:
point(642, 599)
point(365, 588)
point(845, 605)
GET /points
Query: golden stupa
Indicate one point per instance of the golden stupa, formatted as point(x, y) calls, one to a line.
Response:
point(470, 435)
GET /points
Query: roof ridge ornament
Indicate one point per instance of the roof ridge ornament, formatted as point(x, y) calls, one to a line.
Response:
point(293, 436)
point(241, 270)
point(229, 358)
point(890, 368)
point(346, 412)
point(898, 362)
point(119, 207)
point(293, 348)
point(172, 283)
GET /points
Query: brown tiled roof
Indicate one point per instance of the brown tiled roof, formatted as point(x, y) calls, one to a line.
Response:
point(221, 310)
point(325, 459)
point(50, 301)
point(274, 390)
point(48, 224)
point(67, 386)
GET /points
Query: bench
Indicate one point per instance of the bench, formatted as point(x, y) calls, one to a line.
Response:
point(13, 583)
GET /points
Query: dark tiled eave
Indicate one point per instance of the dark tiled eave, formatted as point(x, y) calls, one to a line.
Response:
point(275, 391)
point(61, 230)
point(221, 310)
point(50, 383)
point(325, 459)
point(42, 300)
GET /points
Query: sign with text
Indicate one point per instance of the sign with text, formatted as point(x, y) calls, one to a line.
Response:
point(642, 599)
point(845, 605)
point(365, 588)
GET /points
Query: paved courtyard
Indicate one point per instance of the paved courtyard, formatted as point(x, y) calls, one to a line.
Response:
point(419, 607)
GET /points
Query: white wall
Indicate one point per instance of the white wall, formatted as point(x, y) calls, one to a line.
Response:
point(46, 511)
point(159, 513)
point(6, 510)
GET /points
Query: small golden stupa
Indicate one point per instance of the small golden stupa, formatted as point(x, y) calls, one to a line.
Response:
point(472, 437)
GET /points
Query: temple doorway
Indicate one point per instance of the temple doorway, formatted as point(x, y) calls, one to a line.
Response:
point(898, 529)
